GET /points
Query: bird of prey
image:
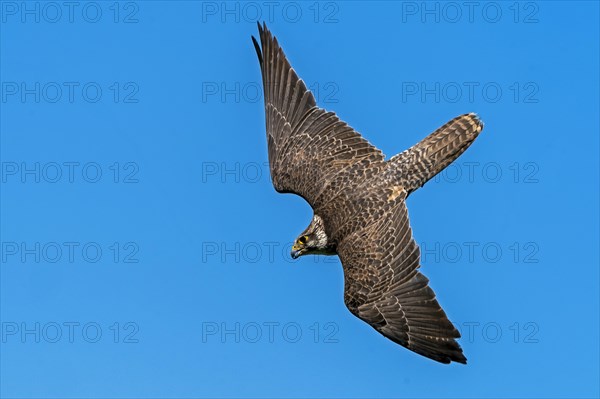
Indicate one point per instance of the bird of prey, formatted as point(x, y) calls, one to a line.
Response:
point(358, 198)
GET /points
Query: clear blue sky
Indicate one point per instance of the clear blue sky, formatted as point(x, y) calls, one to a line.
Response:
point(146, 254)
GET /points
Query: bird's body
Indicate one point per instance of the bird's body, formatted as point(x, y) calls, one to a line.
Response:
point(358, 199)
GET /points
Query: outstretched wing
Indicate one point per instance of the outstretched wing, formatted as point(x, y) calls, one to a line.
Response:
point(312, 152)
point(382, 286)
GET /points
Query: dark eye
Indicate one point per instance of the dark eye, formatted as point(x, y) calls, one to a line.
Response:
point(302, 240)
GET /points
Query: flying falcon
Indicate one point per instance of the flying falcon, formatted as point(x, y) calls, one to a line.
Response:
point(358, 199)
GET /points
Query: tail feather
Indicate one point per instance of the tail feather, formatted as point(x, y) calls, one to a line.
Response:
point(417, 165)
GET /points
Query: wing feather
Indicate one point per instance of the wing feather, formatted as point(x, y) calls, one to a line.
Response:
point(310, 150)
point(382, 286)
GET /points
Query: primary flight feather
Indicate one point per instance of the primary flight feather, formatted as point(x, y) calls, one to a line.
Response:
point(358, 199)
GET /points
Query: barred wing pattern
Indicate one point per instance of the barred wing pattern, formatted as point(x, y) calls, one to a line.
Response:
point(434, 153)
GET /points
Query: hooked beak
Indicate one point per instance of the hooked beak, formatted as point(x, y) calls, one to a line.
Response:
point(296, 252)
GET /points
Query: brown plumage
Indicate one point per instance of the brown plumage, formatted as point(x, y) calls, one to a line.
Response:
point(358, 199)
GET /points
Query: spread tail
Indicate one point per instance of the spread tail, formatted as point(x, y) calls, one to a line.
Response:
point(415, 166)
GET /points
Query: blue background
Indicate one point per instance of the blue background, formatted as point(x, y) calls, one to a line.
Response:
point(204, 239)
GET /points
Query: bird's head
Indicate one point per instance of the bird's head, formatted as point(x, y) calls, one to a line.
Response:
point(313, 240)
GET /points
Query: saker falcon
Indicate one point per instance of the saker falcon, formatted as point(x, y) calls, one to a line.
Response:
point(358, 199)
